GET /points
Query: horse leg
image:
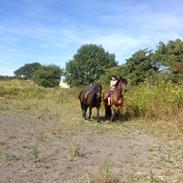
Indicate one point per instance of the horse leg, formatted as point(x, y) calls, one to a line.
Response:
point(107, 112)
point(118, 113)
point(113, 116)
point(90, 112)
point(98, 108)
point(84, 113)
point(84, 109)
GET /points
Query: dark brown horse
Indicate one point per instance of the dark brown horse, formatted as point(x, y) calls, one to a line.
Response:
point(93, 99)
point(116, 100)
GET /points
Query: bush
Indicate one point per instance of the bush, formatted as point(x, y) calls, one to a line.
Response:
point(154, 101)
point(8, 91)
point(48, 76)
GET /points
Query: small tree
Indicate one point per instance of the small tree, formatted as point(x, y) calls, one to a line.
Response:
point(48, 76)
point(26, 71)
point(140, 67)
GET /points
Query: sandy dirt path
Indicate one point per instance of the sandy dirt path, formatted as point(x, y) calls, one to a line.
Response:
point(47, 150)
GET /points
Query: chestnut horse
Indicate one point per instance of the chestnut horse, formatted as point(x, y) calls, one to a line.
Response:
point(116, 100)
point(93, 99)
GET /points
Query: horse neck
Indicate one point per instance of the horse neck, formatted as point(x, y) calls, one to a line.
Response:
point(119, 88)
point(118, 92)
point(93, 94)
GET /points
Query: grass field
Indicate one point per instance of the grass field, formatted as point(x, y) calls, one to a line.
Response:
point(43, 137)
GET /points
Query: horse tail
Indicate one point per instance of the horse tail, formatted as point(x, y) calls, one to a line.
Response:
point(79, 97)
point(83, 106)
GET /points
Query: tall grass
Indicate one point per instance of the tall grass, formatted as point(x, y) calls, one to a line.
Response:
point(154, 101)
point(27, 97)
point(158, 101)
point(29, 90)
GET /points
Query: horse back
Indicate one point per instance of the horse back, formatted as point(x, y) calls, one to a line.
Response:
point(86, 101)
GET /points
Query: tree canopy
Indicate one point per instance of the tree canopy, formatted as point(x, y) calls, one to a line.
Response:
point(26, 71)
point(88, 64)
point(93, 63)
point(48, 76)
point(165, 63)
point(120, 71)
point(171, 56)
point(139, 67)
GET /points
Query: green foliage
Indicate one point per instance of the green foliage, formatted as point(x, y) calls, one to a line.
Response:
point(157, 100)
point(34, 153)
point(26, 71)
point(25, 92)
point(120, 71)
point(48, 76)
point(88, 64)
point(166, 63)
point(4, 91)
point(171, 56)
point(140, 67)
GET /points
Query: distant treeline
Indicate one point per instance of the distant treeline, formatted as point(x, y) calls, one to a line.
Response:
point(92, 63)
point(43, 75)
point(2, 77)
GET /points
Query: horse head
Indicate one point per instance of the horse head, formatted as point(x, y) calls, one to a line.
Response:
point(98, 90)
point(122, 84)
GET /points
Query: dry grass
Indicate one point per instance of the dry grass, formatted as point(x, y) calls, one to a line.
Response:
point(43, 136)
point(105, 174)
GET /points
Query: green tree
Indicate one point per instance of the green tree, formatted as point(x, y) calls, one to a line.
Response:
point(170, 55)
point(88, 64)
point(48, 76)
point(120, 71)
point(140, 67)
point(26, 71)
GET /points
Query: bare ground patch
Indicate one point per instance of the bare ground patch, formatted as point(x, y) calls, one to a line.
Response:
point(33, 149)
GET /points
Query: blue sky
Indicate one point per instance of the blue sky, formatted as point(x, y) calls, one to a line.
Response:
point(51, 31)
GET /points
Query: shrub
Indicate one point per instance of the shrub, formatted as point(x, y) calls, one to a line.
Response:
point(48, 76)
point(158, 100)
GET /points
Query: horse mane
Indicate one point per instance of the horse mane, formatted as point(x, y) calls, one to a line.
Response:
point(123, 80)
point(96, 87)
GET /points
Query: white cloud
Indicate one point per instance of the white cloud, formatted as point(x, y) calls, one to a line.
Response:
point(121, 43)
point(122, 27)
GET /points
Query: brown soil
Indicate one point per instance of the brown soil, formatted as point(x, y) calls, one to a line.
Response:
point(48, 151)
